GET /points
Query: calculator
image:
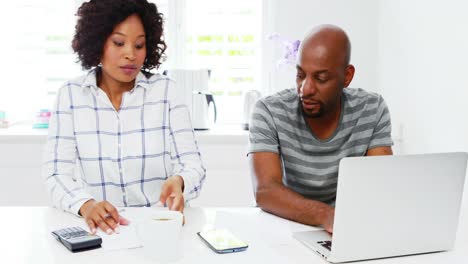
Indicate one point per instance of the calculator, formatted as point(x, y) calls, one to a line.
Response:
point(77, 239)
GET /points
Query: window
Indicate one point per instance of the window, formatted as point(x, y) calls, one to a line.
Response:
point(220, 35)
point(225, 37)
point(41, 56)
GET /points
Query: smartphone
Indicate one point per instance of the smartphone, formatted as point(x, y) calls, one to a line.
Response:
point(222, 241)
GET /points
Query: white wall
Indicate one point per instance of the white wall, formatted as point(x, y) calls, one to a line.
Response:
point(423, 63)
point(293, 19)
point(414, 52)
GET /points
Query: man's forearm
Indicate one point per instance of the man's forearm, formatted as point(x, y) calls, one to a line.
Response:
point(281, 201)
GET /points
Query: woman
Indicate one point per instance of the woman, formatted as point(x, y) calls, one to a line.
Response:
point(121, 127)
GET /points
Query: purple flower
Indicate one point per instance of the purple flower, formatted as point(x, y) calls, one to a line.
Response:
point(290, 49)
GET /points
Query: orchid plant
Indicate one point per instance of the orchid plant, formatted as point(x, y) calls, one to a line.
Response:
point(290, 49)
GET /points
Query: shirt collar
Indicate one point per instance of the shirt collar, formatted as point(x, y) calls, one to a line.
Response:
point(141, 81)
point(91, 81)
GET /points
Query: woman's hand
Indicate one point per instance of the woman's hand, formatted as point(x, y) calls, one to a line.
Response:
point(102, 215)
point(172, 194)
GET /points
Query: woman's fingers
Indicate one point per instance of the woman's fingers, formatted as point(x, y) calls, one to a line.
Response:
point(92, 226)
point(112, 211)
point(177, 203)
point(164, 196)
point(109, 221)
point(124, 221)
point(103, 215)
point(101, 223)
point(170, 201)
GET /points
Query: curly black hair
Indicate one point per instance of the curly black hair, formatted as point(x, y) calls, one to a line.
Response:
point(97, 20)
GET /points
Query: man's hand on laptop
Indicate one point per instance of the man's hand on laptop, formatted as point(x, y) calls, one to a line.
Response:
point(328, 219)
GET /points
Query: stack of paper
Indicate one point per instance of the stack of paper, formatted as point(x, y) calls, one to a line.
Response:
point(127, 238)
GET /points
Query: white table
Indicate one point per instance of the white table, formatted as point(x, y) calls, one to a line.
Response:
point(25, 238)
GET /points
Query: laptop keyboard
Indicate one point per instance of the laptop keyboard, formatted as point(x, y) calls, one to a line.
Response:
point(326, 244)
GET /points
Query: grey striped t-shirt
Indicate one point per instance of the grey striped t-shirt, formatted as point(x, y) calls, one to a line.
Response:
point(310, 165)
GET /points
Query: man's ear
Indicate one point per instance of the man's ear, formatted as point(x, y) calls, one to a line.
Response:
point(349, 74)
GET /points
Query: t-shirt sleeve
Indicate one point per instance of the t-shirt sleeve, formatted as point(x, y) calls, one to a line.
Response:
point(382, 135)
point(263, 135)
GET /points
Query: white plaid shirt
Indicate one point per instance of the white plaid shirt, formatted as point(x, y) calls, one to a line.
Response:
point(95, 152)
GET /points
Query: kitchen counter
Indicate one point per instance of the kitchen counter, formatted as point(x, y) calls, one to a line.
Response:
point(227, 134)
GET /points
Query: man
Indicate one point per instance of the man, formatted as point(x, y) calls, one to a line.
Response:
point(298, 137)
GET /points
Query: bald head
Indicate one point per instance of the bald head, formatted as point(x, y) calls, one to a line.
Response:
point(323, 70)
point(330, 39)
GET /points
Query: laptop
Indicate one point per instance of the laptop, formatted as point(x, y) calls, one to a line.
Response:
point(389, 206)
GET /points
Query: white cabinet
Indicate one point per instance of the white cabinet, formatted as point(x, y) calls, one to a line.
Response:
point(224, 152)
point(228, 182)
point(20, 174)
